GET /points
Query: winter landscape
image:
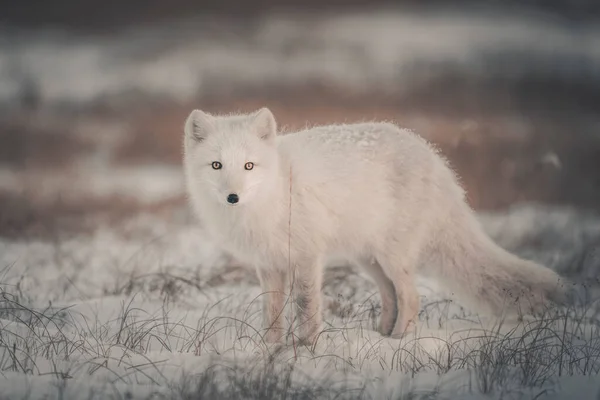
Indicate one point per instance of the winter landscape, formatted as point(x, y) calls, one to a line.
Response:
point(109, 288)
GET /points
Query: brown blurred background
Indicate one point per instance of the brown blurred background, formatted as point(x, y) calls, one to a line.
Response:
point(93, 94)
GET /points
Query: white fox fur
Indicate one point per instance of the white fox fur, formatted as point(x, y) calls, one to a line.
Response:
point(378, 195)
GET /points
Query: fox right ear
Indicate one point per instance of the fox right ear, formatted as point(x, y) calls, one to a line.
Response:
point(199, 125)
point(264, 124)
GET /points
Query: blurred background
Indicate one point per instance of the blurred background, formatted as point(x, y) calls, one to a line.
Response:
point(93, 95)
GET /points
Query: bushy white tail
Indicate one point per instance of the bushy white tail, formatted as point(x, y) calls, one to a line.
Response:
point(487, 276)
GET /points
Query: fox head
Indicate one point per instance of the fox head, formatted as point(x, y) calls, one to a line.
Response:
point(231, 159)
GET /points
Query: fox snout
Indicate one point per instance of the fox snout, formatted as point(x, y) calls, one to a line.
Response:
point(233, 198)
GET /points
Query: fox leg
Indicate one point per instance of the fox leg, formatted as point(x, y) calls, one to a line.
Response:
point(400, 270)
point(273, 283)
point(389, 306)
point(307, 287)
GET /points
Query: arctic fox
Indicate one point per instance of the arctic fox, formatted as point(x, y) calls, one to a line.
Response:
point(378, 195)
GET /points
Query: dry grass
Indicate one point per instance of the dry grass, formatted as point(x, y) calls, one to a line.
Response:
point(532, 354)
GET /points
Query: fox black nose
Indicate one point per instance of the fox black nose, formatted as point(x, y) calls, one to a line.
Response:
point(233, 198)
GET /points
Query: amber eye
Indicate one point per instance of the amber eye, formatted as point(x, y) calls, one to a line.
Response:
point(217, 165)
point(248, 166)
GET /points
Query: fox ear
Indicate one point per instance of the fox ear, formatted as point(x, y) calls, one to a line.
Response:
point(199, 125)
point(264, 124)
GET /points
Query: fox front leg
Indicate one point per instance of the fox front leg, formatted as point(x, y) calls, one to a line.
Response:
point(307, 292)
point(272, 282)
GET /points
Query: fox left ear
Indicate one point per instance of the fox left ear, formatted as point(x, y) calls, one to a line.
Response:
point(264, 124)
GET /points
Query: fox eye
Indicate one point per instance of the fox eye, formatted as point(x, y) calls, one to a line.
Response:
point(216, 165)
point(248, 166)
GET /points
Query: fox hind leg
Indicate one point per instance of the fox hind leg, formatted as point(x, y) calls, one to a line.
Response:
point(400, 270)
point(387, 291)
